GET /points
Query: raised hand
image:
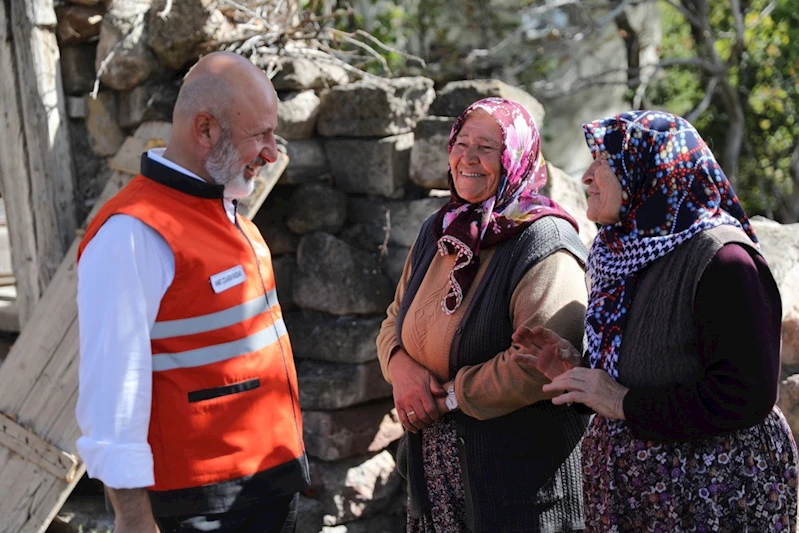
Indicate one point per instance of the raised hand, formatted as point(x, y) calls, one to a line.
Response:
point(544, 350)
point(592, 387)
point(416, 392)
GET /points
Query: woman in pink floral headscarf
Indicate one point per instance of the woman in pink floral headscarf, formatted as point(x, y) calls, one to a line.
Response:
point(497, 256)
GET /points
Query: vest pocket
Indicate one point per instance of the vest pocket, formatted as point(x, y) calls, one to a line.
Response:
point(216, 392)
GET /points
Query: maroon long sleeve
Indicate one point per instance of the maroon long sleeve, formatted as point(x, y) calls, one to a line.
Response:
point(738, 316)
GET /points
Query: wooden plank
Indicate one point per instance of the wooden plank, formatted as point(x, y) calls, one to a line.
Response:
point(9, 317)
point(149, 135)
point(36, 165)
point(34, 449)
point(39, 379)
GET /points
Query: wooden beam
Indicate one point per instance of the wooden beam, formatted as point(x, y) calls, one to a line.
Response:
point(35, 158)
point(39, 381)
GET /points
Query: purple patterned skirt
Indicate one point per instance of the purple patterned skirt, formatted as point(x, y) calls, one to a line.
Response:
point(744, 481)
point(442, 473)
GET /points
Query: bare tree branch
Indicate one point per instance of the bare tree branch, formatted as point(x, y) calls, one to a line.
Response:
point(710, 88)
point(164, 13)
point(689, 16)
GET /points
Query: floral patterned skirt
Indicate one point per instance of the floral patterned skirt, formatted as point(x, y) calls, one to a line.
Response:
point(745, 481)
point(442, 473)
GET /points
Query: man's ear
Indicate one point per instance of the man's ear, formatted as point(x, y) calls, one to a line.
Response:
point(205, 129)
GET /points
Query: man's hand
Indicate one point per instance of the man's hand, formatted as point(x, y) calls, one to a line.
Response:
point(544, 350)
point(132, 511)
point(415, 392)
point(592, 387)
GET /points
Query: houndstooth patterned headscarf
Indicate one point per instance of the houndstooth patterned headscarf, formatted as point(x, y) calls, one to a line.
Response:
point(673, 188)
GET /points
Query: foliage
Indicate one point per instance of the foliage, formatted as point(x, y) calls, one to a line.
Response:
point(764, 75)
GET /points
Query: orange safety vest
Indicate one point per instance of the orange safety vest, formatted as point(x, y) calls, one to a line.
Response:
point(225, 425)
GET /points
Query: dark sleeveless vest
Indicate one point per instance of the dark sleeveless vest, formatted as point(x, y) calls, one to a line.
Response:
point(521, 471)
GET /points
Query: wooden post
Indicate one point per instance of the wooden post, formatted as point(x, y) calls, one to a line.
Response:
point(35, 158)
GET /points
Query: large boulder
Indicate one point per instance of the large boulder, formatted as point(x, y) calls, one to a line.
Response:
point(303, 70)
point(147, 102)
point(456, 96)
point(123, 33)
point(779, 244)
point(788, 401)
point(175, 36)
point(104, 134)
point(326, 386)
point(429, 157)
point(405, 217)
point(284, 267)
point(316, 207)
point(371, 166)
point(307, 162)
point(375, 107)
point(270, 220)
point(355, 488)
point(343, 433)
point(336, 278)
point(790, 335)
point(568, 192)
point(333, 339)
point(296, 115)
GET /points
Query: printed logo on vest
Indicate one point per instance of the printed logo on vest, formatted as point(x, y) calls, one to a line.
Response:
point(227, 279)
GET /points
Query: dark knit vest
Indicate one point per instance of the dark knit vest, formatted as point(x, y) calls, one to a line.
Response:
point(521, 471)
point(659, 346)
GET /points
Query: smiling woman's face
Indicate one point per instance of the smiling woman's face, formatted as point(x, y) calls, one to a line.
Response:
point(604, 192)
point(476, 158)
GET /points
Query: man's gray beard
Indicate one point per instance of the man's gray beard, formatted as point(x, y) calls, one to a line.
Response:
point(225, 168)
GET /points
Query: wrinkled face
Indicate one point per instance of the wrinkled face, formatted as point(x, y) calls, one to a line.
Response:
point(604, 192)
point(476, 158)
point(244, 145)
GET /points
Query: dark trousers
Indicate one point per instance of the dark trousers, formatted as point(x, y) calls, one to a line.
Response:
point(277, 516)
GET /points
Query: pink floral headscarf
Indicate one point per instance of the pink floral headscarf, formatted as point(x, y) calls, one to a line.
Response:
point(464, 229)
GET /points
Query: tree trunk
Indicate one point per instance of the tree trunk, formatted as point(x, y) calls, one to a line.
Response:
point(35, 158)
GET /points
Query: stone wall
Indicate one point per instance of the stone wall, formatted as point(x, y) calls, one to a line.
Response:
point(367, 166)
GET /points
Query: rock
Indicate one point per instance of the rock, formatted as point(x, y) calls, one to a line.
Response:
point(78, 24)
point(334, 435)
point(336, 278)
point(429, 157)
point(89, 2)
point(123, 31)
point(83, 513)
point(326, 386)
point(394, 263)
point(77, 107)
point(456, 96)
point(788, 401)
point(779, 244)
point(569, 193)
point(406, 217)
point(371, 166)
point(77, 68)
point(310, 513)
point(174, 38)
point(147, 102)
point(355, 488)
point(301, 73)
point(371, 108)
point(333, 339)
point(91, 171)
point(296, 115)
point(270, 221)
point(104, 133)
point(307, 162)
point(316, 207)
point(284, 267)
point(790, 335)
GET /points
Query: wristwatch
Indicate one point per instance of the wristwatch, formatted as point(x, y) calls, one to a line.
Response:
point(451, 400)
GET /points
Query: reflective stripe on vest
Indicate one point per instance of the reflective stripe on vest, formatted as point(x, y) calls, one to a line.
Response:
point(212, 321)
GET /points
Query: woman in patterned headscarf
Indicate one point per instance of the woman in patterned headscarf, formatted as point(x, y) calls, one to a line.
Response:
point(683, 356)
point(497, 256)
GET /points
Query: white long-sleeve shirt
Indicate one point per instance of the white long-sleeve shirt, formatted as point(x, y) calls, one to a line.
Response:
point(123, 274)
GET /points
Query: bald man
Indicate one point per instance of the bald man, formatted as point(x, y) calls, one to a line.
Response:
point(188, 402)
